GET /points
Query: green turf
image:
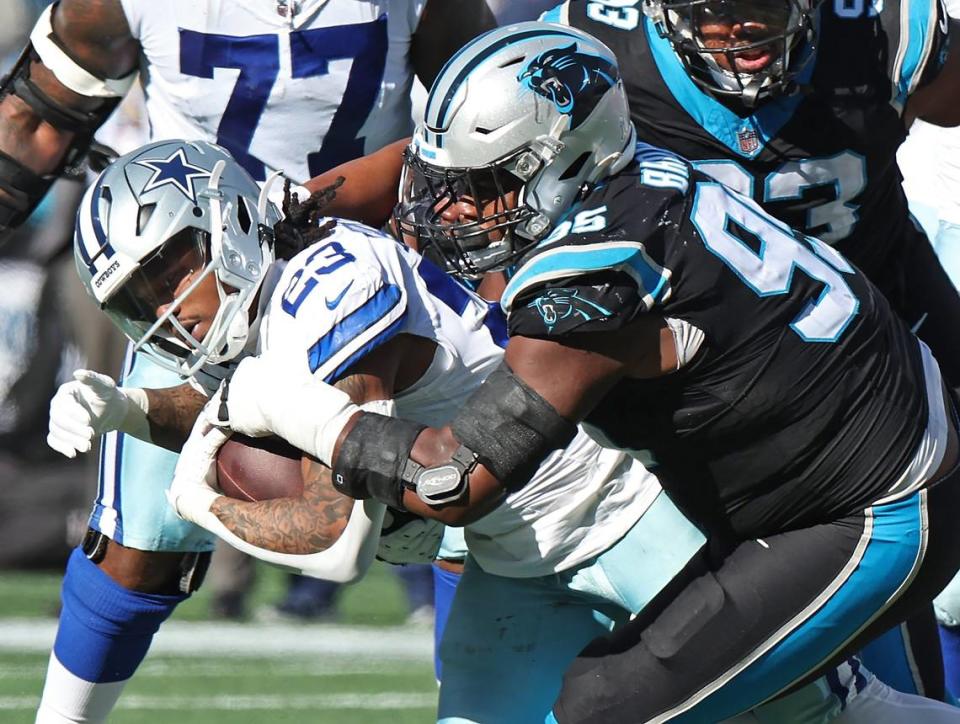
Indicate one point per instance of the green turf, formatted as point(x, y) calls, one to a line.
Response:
point(240, 690)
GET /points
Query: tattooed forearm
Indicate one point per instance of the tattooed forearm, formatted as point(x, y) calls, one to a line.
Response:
point(173, 410)
point(303, 525)
point(312, 522)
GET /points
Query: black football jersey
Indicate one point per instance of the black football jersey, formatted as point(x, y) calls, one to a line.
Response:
point(822, 159)
point(805, 400)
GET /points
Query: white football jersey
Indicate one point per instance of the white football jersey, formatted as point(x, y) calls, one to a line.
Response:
point(930, 162)
point(343, 296)
point(298, 86)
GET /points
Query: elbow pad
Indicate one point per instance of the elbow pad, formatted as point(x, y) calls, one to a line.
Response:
point(24, 187)
point(51, 53)
point(511, 428)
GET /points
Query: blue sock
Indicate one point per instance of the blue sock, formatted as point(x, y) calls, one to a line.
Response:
point(950, 643)
point(105, 629)
point(444, 587)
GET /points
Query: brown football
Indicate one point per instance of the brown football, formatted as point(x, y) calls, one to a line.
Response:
point(259, 468)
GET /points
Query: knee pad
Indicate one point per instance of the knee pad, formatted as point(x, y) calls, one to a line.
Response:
point(105, 629)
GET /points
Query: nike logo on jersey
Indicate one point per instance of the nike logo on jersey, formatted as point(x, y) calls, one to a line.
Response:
point(332, 303)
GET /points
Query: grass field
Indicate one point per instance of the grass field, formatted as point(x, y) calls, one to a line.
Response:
point(366, 668)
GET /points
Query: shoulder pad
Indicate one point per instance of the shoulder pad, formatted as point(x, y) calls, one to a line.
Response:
point(337, 300)
point(567, 263)
point(587, 304)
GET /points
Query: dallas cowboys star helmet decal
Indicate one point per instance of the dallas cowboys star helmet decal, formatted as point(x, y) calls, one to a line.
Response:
point(176, 171)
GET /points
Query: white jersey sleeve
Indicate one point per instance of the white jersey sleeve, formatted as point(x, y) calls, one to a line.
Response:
point(336, 301)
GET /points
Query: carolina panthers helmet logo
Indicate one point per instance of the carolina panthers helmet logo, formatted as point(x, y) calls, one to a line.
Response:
point(571, 80)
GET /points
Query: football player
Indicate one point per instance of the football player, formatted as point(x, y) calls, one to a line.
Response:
point(801, 105)
point(930, 161)
point(370, 316)
point(558, 559)
point(790, 413)
point(298, 85)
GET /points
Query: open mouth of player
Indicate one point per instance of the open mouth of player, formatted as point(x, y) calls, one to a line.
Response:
point(752, 60)
point(195, 330)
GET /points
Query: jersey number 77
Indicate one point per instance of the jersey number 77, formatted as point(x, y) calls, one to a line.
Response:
point(258, 59)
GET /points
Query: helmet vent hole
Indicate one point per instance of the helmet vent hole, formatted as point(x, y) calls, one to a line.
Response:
point(483, 131)
point(144, 216)
point(243, 215)
point(574, 168)
point(512, 61)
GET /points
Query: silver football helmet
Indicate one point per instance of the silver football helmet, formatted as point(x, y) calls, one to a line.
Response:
point(157, 213)
point(777, 36)
point(533, 108)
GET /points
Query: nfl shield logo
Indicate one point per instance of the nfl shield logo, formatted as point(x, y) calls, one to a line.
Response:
point(748, 140)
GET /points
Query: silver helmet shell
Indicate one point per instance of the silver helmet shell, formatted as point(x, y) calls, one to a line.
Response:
point(535, 105)
point(145, 199)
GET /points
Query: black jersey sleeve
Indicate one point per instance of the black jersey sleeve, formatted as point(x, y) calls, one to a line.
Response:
point(594, 303)
point(916, 32)
point(607, 261)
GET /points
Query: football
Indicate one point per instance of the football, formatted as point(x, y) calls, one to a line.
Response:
point(259, 468)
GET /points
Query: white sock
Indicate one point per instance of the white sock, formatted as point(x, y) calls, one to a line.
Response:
point(68, 699)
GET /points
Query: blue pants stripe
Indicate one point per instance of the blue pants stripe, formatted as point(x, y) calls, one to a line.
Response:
point(890, 553)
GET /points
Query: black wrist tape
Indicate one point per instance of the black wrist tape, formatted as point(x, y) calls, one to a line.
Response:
point(373, 456)
point(511, 428)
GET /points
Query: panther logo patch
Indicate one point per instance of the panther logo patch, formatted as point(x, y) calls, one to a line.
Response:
point(571, 80)
point(560, 305)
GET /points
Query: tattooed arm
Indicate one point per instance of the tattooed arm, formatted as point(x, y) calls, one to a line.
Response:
point(314, 521)
point(308, 524)
point(171, 413)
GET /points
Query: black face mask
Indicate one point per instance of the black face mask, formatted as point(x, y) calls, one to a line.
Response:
point(762, 22)
point(466, 248)
point(783, 28)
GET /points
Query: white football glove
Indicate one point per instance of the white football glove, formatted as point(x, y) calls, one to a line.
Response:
point(409, 538)
point(194, 486)
point(194, 489)
point(265, 396)
point(90, 405)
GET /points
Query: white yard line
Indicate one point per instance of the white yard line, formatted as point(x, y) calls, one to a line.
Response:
point(385, 700)
point(168, 666)
point(183, 638)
